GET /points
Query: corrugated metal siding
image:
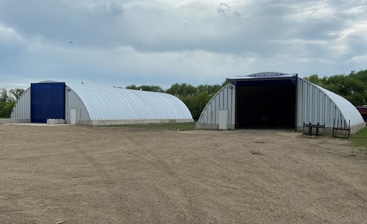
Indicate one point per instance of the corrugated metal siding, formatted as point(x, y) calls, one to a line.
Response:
point(22, 108)
point(117, 104)
point(318, 105)
point(73, 101)
point(224, 99)
point(346, 109)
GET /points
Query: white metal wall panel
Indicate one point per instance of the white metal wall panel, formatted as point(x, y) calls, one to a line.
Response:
point(22, 108)
point(117, 104)
point(318, 105)
point(73, 101)
point(224, 99)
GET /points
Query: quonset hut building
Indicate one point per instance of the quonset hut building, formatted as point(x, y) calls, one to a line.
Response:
point(276, 100)
point(82, 104)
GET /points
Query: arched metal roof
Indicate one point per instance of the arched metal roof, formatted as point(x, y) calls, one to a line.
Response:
point(347, 109)
point(125, 104)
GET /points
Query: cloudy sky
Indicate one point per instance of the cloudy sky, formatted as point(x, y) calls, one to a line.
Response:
point(162, 42)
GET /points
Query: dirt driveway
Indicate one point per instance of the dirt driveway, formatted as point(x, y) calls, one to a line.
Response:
point(73, 174)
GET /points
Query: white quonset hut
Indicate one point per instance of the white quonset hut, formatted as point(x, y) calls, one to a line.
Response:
point(82, 104)
point(276, 100)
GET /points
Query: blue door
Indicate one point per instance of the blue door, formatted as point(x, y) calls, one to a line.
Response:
point(47, 101)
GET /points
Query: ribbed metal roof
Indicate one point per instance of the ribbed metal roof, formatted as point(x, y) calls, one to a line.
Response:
point(116, 104)
point(346, 108)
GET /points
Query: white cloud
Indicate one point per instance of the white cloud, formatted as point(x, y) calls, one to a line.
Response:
point(9, 36)
point(164, 42)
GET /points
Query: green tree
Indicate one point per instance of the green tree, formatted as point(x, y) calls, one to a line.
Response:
point(4, 97)
point(314, 79)
point(195, 98)
point(7, 101)
point(182, 89)
point(151, 88)
point(17, 93)
point(210, 90)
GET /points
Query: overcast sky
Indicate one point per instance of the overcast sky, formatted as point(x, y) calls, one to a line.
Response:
point(162, 42)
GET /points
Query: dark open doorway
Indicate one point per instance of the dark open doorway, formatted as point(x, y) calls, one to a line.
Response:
point(266, 103)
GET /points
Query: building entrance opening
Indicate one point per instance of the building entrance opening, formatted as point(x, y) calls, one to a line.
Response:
point(267, 103)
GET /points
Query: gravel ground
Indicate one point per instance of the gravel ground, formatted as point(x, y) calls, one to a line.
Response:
point(72, 174)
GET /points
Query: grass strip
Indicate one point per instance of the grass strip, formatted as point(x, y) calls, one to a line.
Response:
point(360, 140)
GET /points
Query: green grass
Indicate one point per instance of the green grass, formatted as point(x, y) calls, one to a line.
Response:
point(360, 140)
point(161, 126)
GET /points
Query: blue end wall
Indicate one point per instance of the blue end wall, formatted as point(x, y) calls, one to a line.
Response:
point(47, 101)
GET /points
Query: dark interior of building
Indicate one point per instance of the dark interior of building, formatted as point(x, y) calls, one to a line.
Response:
point(266, 103)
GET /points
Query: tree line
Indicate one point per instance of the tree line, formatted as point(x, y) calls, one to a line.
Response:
point(353, 87)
